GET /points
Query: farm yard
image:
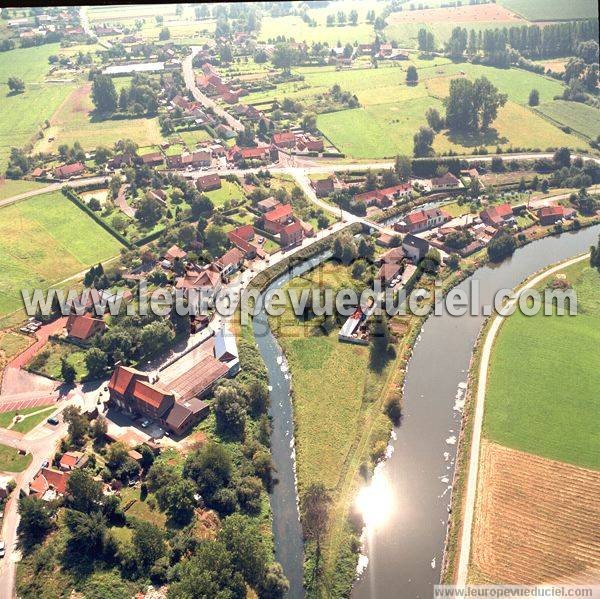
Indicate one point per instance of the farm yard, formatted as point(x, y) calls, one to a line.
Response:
point(536, 520)
point(44, 240)
point(525, 407)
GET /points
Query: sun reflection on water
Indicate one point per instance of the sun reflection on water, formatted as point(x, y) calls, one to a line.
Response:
point(375, 502)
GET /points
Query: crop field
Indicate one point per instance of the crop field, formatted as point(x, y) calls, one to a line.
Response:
point(73, 122)
point(536, 520)
point(44, 240)
point(542, 10)
point(537, 402)
point(294, 26)
point(472, 13)
point(582, 118)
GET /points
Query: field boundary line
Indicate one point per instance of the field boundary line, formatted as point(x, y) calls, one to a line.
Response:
point(473, 467)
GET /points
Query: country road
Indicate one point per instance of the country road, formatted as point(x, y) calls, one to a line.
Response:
point(190, 81)
point(471, 488)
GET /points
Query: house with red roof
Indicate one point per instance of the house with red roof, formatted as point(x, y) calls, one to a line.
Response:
point(323, 187)
point(267, 205)
point(292, 233)
point(422, 220)
point(497, 216)
point(237, 154)
point(388, 272)
point(446, 181)
point(231, 261)
point(175, 253)
point(276, 219)
point(71, 460)
point(242, 237)
point(48, 484)
point(69, 170)
point(84, 327)
point(206, 281)
point(550, 215)
point(208, 182)
point(152, 159)
point(284, 139)
point(131, 390)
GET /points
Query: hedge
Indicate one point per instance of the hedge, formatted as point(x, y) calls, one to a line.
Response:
point(71, 195)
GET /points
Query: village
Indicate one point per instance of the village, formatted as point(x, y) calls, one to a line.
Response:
point(202, 152)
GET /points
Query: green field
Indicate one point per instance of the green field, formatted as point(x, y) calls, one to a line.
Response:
point(73, 122)
point(377, 131)
point(542, 394)
point(13, 187)
point(44, 240)
point(582, 118)
point(542, 10)
point(12, 461)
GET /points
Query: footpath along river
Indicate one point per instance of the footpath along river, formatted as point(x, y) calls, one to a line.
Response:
point(404, 544)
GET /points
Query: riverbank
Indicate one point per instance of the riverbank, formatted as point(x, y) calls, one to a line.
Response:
point(453, 540)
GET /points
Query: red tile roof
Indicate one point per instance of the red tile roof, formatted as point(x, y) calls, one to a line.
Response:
point(150, 394)
point(47, 478)
point(283, 137)
point(246, 232)
point(175, 252)
point(278, 213)
point(292, 228)
point(122, 377)
point(83, 327)
point(208, 182)
point(67, 170)
point(233, 256)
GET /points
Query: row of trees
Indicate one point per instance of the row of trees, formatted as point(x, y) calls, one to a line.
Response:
point(141, 97)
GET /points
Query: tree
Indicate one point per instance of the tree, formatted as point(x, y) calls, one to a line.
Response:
point(16, 85)
point(275, 585)
point(104, 94)
point(35, 521)
point(457, 44)
point(423, 139)
point(210, 468)
point(148, 545)
point(96, 363)
point(243, 540)
point(595, 255)
point(177, 500)
point(164, 34)
point(67, 371)
point(99, 428)
point(501, 247)
point(434, 119)
point(412, 76)
point(314, 512)
point(208, 574)
point(215, 240)
point(534, 97)
point(562, 157)
point(230, 411)
point(403, 167)
point(258, 392)
point(85, 493)
point(155, 338)
point(78, 424)
point(149, 211)
point(87, 533)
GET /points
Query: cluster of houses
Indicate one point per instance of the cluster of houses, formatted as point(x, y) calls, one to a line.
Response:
point(30, 29)
point(297, 142)
point(279, 219)
point(211, 84)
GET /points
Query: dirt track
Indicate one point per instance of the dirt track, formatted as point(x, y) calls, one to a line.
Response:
point(537, 520)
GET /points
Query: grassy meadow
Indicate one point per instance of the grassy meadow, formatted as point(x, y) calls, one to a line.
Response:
point(541, 10)
point(44, 240)
point(542, 394)
point(74, 121)
point(581, 118)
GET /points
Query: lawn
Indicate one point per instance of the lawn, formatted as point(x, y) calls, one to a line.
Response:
point(12, 344)
point(29, 64)
point(228, 191)
point(542, 394)
point(48, 361)
point(29, 423)
point(7, 417)
point(73, 122)
point(141, 509)
point(44, 240)
point(542, 10)
point(191, 138)
point(12, 461)
point(582, 118)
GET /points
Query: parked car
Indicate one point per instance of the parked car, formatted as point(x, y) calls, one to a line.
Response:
point(52, 420)
point(2, 549)
point(145, 424)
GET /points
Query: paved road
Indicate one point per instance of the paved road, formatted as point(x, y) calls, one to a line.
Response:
point(41, 443)
point(190, 81)
point(469, 508)
point(54, 187)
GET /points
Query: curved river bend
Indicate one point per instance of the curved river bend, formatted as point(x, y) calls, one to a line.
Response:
point(405, 548)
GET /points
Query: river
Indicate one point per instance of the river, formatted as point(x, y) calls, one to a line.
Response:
point(404, 538)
